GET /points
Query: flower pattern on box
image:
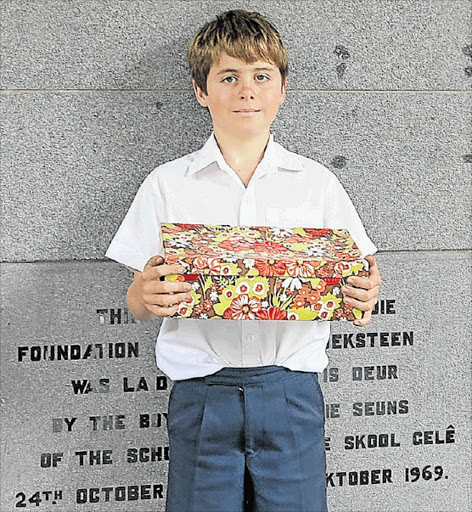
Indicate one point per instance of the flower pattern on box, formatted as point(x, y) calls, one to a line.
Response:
point(263, 273)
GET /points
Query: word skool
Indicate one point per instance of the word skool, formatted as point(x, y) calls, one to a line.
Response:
point(356, 442)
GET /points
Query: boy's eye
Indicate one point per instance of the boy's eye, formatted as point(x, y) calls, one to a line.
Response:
point(262, 78)
point(229, 79)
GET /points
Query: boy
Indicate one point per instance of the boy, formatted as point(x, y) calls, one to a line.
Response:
point(246, 414)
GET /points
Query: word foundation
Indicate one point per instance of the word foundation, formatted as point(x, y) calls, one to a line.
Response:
point(76, 352)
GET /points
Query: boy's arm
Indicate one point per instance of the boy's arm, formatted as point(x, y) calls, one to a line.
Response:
point(149, 297)
point(363, 292)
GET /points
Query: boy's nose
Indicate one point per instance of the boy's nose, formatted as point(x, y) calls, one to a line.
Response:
point(246, 92)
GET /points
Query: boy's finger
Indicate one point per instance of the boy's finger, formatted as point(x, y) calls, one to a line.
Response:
point(166, 299)
point(173, 287)
point(372, 261)
point(360, 304)
point(162, 311)
point(374, 273)
point(356, 293)
point(156, 287)
point(366, 318)
point(367, 282)
point(154, 261)
point(361, 282)
point(167, 270)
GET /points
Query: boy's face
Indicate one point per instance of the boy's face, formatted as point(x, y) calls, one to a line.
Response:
point(243, 99)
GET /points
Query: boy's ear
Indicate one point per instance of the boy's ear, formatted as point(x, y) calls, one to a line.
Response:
point(284, 91)
point(199, 94)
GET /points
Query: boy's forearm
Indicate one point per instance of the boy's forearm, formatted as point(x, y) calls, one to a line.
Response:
point(135, 304)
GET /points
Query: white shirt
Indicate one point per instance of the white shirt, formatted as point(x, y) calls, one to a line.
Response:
point(286, 190)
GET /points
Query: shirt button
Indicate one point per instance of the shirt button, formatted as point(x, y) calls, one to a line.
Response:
point(250, 337)
point(241, 390)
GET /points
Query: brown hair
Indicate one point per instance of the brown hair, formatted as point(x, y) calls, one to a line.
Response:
point(241, 34)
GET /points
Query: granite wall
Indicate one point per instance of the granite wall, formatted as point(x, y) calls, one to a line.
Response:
point(95, 94)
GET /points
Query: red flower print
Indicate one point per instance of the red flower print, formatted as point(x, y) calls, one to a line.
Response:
point(207, 305)
point(270, 267)
point(297, 239)
point(336, 250)
point(243, 307)
point(298, 302)
point(242, 288)
point(226, 271)
point(327, 271)
point(183, 310)
point(317, 232)
point(321, 287)
point(353, 253)
point(313, 298)
point(190, 251)
point(301, 268)
point(269, 247)
point(305, 291)
point(258, 288)
point(185, 227)
point(341, 267)
point(343, 312)
point(199, 263)
point(272, 314)
point(198, 310)
point(235, 244)
point(207, 251)
point(228, 294)
point(213, 264)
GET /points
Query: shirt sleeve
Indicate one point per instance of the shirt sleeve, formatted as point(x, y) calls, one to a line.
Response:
point(139, 236)
point(341, 213)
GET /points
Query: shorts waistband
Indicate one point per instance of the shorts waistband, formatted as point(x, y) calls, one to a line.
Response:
point(233, 376)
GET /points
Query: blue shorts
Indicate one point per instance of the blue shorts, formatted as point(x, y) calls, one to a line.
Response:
point(247, 439)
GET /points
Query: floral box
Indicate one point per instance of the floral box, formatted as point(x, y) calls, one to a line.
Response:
point(263, 273)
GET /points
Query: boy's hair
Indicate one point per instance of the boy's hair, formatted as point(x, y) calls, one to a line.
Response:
point(241, 34)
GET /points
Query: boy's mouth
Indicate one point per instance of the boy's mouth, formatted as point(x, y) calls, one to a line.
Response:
point(246, 111)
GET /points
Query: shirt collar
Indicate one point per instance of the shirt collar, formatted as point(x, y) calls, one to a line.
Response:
point(275, 158)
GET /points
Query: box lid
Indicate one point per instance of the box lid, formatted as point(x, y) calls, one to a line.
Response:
point(260, 250)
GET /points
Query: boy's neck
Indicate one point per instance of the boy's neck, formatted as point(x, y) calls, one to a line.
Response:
point(242, 154)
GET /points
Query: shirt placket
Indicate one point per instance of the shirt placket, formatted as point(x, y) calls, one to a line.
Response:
point(250, 349)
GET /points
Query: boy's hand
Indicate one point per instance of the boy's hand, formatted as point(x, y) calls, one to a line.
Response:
point(363, 292)
point(159, 297)
point(159, 294)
